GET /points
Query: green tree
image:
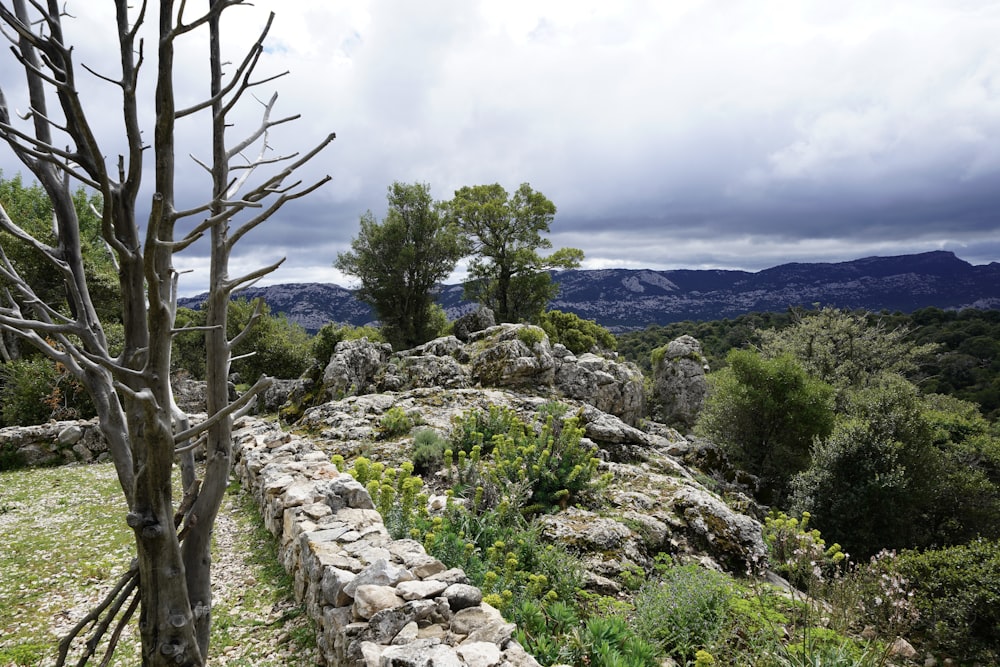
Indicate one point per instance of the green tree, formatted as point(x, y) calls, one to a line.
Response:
point(846, 349)
point(400, 260)
point(272, 346)
point(872, 483)
point(506, 232)
point(765, 413)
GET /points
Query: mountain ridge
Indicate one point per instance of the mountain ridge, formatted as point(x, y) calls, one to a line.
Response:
point(630, 299)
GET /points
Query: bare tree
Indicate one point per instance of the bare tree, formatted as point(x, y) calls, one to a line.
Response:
point(169, 581)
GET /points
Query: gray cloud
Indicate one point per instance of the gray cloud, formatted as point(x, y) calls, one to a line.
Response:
point(694, 134)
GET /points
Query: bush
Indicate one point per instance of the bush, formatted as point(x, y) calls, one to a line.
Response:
point(27, 386)
point(555, 467)
point(530, 335)
point(428, 451)
point(957, 593)
point(477, 428)
point(765, 414)
point(798, 553)
point(394, 423)
point(684, 610)
point(577, 334)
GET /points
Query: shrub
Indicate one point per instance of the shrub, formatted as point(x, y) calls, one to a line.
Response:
point(27, 386)
point(428, 451)
point(765, 414)
point(530, 335)
point(476, 428)
point(577, 334)
point(685, 610)
point(556, 467)
point(957, 593)
point(798, 553)
point(394, 423)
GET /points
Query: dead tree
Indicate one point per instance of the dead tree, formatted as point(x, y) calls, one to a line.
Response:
point(169, 581)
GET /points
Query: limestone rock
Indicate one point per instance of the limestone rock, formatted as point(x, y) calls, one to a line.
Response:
point(503, 359)
point(679, 383)
point(461, 596)
point(479, 654)
point(477, 320)
point(609, 386)
point(354, 367)
point(370, 599)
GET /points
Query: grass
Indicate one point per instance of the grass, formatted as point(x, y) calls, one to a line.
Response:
point(65, 543)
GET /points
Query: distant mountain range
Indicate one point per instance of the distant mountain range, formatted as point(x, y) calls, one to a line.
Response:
point(629, 299)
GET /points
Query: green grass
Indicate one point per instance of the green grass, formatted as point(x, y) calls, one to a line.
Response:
point(65, 543)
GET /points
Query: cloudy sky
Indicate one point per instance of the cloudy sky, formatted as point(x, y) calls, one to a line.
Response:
point(669, 133)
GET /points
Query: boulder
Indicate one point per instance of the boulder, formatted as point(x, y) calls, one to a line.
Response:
point(512, 355)
point(679, 383)
point(608, 385)
point(477, 320)
point(355, 367)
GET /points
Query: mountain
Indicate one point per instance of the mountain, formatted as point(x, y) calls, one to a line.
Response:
point(628, 299)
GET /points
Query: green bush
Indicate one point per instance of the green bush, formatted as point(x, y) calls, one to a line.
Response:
point(477, 428)
point(577, 334)
point(554, 465)
point(428, 451)
point(394, 423)
point(685, 610)
point(957, 594)
point(27, 386)
point(798, 553)
point(530, 335)
point(765, 413)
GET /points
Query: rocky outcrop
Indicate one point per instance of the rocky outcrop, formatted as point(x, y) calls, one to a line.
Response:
point(506, 356)
point(679, 382)
point(376, 601)
point(355, 368)
point(655, 504)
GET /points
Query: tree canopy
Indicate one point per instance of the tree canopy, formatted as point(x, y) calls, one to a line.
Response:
point(401, 259)
point(505, 233)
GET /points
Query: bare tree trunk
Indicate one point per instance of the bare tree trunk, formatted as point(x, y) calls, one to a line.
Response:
point(131, 391)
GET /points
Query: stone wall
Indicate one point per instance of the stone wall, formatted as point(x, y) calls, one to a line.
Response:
point(377, 601)
point(53, 443)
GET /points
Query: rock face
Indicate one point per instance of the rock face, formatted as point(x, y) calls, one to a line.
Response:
point(506, 356)
point(679, 383)
point(471, 322)
point(375, 600)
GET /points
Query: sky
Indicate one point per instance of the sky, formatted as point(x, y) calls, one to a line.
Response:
point(736, 134)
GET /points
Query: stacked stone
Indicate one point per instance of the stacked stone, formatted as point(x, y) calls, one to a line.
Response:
point(54, 443)
point(376, 601)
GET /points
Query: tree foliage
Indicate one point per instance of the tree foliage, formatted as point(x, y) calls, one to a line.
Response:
point(765, 413)
point(401, 259)
point(506, 231)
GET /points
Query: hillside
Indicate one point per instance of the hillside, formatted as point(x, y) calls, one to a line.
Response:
point(629, 299)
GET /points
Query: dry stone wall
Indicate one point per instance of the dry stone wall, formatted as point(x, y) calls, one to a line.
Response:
point(52, 443)
point(377, 601)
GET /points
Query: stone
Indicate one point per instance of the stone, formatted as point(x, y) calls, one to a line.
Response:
point(70, 435)
point(478, 654)
point(680, 383)
point(420, 590)
point(477, 320)
point(515, 656)
point(461, 596)
point(903, 649)
point(354, 367)
point(386, 624)
point(332, 586)
point(408, 634)
point(379, 573)
point(369, 600)
point(420, 653)
point(467, 620)
point(344, 491)
point(453, 575)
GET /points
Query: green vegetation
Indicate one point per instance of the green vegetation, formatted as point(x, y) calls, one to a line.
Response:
point(765, 413)
point(505, 232)
point(400, 261)
point(577, 334)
